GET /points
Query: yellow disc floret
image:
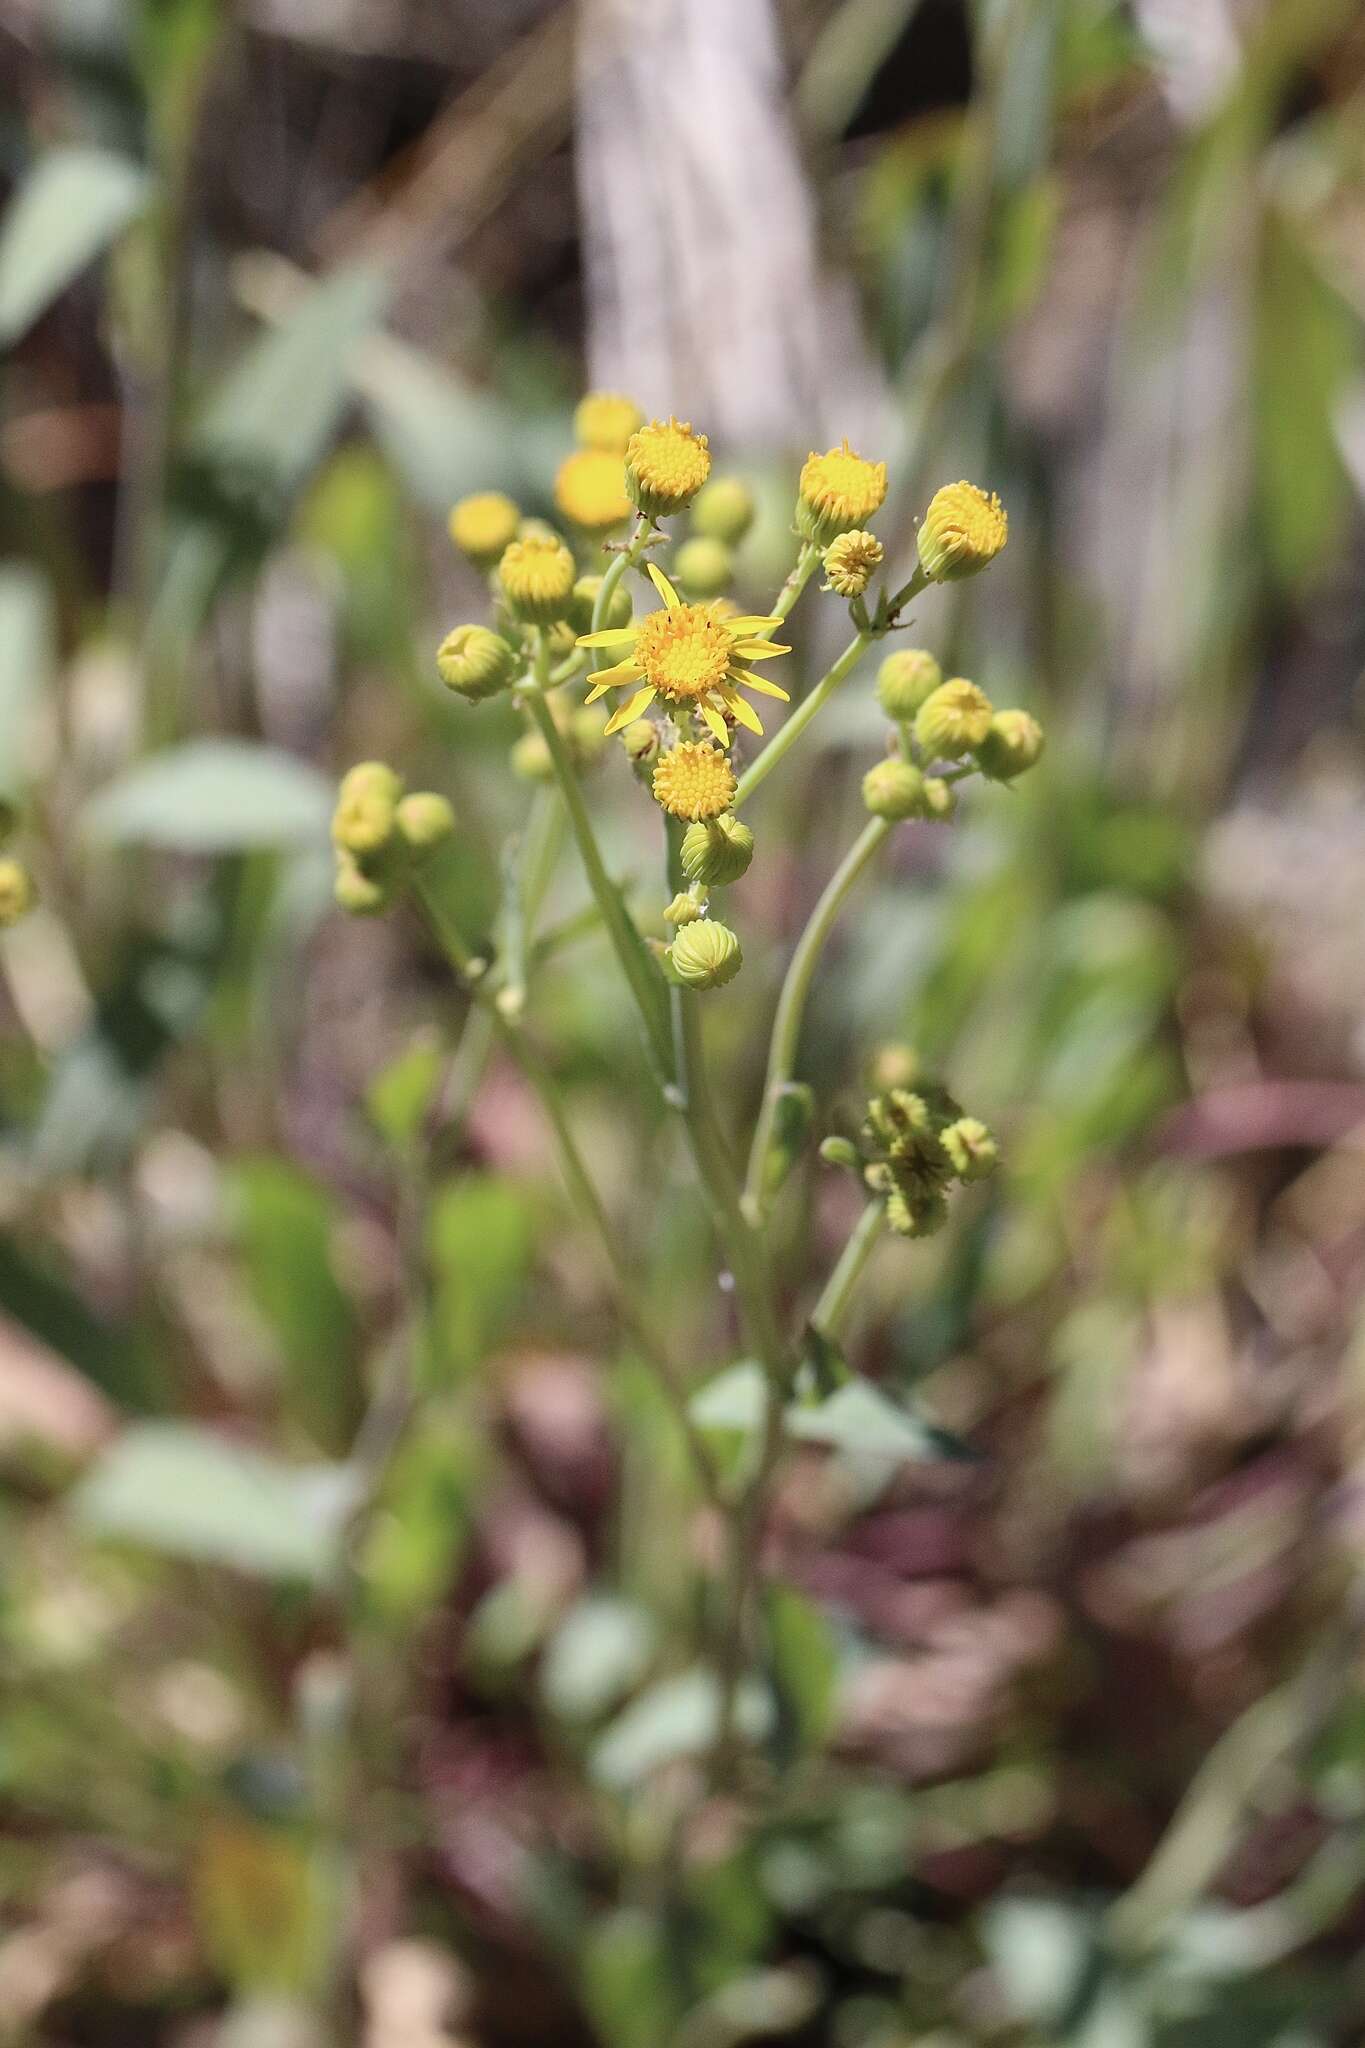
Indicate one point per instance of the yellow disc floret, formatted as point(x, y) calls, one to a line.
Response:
point(606, 420)
point(693, 655)
point(694, 780)
point(482, 526)
point(963, 530)
point(838, 490)
point(666, 465)
point(850, 560)
point(537, 576)
point(590, 490)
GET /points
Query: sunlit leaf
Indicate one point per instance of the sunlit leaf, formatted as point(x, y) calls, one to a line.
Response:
point(67, 211)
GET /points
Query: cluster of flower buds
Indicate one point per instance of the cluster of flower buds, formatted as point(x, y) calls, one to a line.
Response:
point(913, 1144)
point(938, 722)
point(379, 834)
point(16, 883)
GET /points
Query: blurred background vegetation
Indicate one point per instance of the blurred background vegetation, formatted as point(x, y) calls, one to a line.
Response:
point(321, 1720)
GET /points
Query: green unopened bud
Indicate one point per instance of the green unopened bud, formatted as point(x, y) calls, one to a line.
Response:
point(585, 597)
point(530, 759)
point(704, 566)
point(641, 742)
point(940, 799)
point(723, 510)
point(425, 820)
point(836, 1151)
point(1012, 745)
point(917, 1215)
point(971, 1148)
point(905, 679)
point(536, 575)
point(893, 789)
point(718, 851)
point(358, 892)
point(953, 721)
point(475, 662)
point(705, 955)
point(366, 806)
point(16, 892)
point(683, 909)
point(587, 735)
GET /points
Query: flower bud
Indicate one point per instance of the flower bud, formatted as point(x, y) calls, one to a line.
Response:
point(971, 1148)
point(475, 662)
point(1013, 744)
point(717, 852)
point(530, 759)
point(360, 893)
point(904, 680)
point(962, 531)
point(683, 909)
point(837, 1151)
point(367, 803)
point(604, 419)
point(425, 821)
point(723, 510)
point(537, 576)
point(893, 1065)
point(666, 465)
point(704, 567)
point(838, 490)
point(850, 560)
point(917, 1214)
point(705, 955)
point(940, 799)
point(893, 789)
point(16, 892)
point(585, 597)
point(482, 526)
point(587, 735)
point(590, 490)
point(953, 721)
point(641, 741)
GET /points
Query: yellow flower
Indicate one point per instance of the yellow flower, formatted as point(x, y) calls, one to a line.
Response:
point(366, 807)
point(481, 526)
point(954, 720)
point(963, 530)
point(694, 781)
point(838, 490)
point(850, 559)
point(537, 576)
point(606, 420)
point(666, 465)
point(475, 662)
point(690, 656)
point(590, 490)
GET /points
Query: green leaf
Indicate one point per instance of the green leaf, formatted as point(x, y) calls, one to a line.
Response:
point(482, 1237)
point(285, 1224)
point(214, 796)
point(804, 1669)
point(735, 1400)
point(627, 1978)
point(860, 1419)
point(600, 1650)
point(400, 1095)
point(26, 660)
point(187, 1493)
point(67, 211)
point(676, 1717)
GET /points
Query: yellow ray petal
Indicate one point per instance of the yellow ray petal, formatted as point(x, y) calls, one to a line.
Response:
point(663, 586)
point(719, 730)
point(760, 650)
point(612, 678)
point(743, 713)
point(748, 681)
point(610, 636)
point(753, 622)
point(632, 708)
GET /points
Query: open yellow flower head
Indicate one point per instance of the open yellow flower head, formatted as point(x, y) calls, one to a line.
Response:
point(606, 420)
point(962, 531)
point(850, 560)
point(537, 577)
point(704, 567)
point(694, 780)
point(953, 721)
point(666, 465)
point(905, 679)
point(481, 526)
point(690, 655)
point(723, 510)
point(16, 892)
point(590, 490)
point(1014, 743)
point(366, 808)
point(838, 490)
point(475, 662)
point(705, 955)
point(716, 852)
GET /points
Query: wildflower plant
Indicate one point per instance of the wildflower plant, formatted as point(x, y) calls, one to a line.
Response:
point(612, 659)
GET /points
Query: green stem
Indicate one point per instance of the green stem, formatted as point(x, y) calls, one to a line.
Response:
point(787, 735)
point(791, 1005)
point(617, 567)
point(803, 569)
point(827, 1317)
